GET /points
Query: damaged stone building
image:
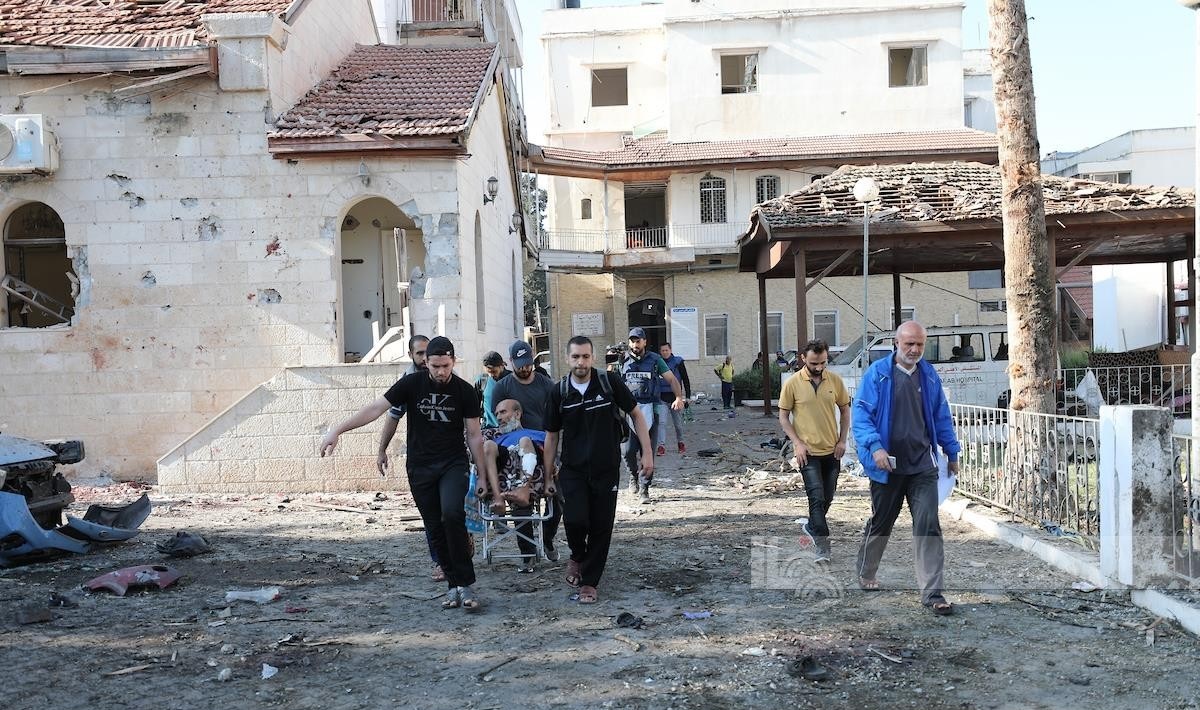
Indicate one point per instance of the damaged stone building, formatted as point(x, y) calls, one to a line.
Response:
point(222, 219)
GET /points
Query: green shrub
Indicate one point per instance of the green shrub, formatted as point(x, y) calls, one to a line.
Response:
point(750, 382)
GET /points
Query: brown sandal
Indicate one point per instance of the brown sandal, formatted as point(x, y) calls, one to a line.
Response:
point(573, 573)
point(587, 595)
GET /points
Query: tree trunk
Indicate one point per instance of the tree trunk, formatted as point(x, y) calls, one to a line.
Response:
point(1032, 485)
point(1028, 254)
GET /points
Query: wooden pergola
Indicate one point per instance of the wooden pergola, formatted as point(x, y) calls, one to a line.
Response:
point(938, 217)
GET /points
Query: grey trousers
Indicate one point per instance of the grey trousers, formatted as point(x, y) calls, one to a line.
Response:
point(920, 491)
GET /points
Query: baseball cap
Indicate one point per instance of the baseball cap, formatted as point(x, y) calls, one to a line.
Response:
point(520, 354)
point(440, 345)
point(637, 333)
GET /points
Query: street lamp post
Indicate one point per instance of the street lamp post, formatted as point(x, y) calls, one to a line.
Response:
point(866, 192)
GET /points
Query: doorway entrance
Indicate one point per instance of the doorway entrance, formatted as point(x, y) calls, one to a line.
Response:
point(380, 246)
point(648, 314)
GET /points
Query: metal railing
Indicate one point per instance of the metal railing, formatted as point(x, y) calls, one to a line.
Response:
point(432, 11)
point(721, 235)
point(1167, 386)
point(1041, 468)
point(1185, 512)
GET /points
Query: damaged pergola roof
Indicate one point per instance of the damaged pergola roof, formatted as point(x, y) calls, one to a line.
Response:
point(933, 217)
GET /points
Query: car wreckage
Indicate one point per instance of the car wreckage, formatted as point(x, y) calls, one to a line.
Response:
point(33, 495)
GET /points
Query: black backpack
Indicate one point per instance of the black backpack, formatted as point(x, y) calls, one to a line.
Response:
point(622, 420)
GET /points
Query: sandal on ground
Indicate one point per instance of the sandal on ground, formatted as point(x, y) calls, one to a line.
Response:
point(868, 585)
point(587, 595)
point(470, 603)
point(453, 599)
point(573, 574)
point(525, 567)
point(437, 574)
point(941, 607)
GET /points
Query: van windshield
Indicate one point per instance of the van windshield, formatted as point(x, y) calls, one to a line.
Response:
point(851, 353)
point(881, 347)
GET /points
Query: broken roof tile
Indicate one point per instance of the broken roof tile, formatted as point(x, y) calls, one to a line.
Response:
point(393, 90)
point(947, 192)
point(656, 149)
point(117, 23)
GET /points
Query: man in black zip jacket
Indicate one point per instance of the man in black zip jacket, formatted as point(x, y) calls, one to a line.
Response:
point(591, 460)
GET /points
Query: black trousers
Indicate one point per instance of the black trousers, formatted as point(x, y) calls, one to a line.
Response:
point(920, 490)
point(438, 489)
point(589, 513)
point(820, 483)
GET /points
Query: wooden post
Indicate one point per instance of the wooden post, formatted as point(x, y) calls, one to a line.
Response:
point(762, 344)
point(897, 318)
point(801, 298)
point(1171, 339)
point(1028, 254)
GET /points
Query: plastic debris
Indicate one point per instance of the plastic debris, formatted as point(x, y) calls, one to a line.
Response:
point(225, 674)
point(268, 671)
point(693, 615)
point(258, 596)
point(755, 651)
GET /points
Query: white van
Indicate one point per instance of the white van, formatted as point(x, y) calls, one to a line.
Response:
point(972, 361)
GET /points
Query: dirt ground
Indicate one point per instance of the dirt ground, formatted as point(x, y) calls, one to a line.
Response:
point(359, 623)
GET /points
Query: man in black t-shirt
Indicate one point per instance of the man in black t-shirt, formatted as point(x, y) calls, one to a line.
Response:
point(440, 406)
point(591, 460)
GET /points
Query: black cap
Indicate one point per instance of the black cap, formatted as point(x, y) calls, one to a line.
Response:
point(440, 345)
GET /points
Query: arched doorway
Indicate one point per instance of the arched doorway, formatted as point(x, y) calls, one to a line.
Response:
point(380, 248)
point(37, 285)
point(648, 314)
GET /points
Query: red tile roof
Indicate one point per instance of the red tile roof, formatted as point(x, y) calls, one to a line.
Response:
point(656, 150)
point(392, 90)
point(116, 23)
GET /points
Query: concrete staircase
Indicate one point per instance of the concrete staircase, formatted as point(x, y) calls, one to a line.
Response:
point(267, 441)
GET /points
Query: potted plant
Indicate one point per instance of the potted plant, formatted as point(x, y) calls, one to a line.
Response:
point(747, 384)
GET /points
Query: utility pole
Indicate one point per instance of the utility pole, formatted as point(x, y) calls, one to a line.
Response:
point(1028, 253)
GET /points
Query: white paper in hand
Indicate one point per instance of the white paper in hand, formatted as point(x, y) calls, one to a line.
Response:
point(946, 480)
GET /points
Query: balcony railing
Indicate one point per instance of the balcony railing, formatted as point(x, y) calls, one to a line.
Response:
point(436, 11)
point(720, 235)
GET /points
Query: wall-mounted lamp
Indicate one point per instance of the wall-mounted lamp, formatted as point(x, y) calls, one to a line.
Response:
point(491, 190)
point(363, 174)
point(516, 223)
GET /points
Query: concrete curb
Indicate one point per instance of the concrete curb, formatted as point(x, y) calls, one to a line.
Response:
point(1160, 604)
point(1085, 565)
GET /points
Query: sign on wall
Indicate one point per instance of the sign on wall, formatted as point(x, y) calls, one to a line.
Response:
point(685, 333)
point(587, 324)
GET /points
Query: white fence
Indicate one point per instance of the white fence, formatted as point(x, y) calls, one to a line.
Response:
point(720, 235)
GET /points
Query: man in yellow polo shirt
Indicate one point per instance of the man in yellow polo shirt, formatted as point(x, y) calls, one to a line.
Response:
point(810, 397)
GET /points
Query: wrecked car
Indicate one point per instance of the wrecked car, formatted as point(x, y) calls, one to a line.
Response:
point(33, 495)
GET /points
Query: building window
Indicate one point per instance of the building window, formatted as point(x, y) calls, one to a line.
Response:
point(766, 187)
point(712, 200)
point(774, 332)
point(1122, 177)
point(992, 278)
point(996, 306)
point(906, 314)
point(825, 327)
point(610, 87)
point(908, 66)
point(37, 276)
point(739, 73)
point(716, 335)
point(585, 208)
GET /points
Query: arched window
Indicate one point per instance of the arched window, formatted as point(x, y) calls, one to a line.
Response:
point(480, 308)
point(37, 288)
point(712, 200)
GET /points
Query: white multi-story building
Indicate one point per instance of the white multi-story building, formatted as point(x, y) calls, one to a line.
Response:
point(1128, 302)
point(670, 121)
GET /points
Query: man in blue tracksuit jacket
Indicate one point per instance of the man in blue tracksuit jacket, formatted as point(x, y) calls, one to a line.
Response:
point(900, 415)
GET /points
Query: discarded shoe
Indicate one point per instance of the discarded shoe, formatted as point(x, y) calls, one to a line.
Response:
point(807, 668)
point(184, 544)
point(629, 621)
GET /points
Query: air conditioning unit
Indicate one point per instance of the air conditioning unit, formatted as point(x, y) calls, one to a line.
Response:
point(26, 145)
